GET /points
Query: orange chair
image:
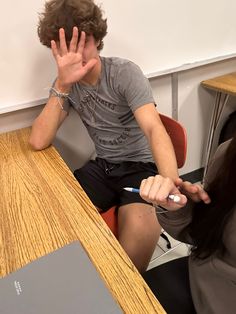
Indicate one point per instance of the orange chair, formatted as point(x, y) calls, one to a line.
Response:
point(178, 137)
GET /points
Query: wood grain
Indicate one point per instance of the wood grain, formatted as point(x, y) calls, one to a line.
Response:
point(43, 208)
point(224, 83)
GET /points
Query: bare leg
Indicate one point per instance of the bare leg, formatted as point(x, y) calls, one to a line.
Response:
point(139, 232)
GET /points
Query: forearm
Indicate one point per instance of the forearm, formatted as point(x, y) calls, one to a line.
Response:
point(46, 124)
point(163, 154)
point(159, 141)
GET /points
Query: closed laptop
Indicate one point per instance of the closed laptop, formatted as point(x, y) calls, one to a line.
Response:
point(62, 282)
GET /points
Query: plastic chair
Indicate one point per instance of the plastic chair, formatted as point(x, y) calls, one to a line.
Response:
point(178, 137)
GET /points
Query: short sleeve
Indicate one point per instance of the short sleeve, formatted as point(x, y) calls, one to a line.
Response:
point(133, 85)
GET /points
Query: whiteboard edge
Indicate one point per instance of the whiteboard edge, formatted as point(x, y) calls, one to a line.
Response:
point(152, 75)
point(189, 66)
point(21, 106)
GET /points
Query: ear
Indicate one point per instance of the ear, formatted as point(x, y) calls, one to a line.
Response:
point(98, 43)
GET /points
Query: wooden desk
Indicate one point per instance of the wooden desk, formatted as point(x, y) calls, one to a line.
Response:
point(224, 86)
point(43, 207)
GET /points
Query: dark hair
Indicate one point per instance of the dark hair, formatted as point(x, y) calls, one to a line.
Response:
point(84, 14)
point(209, 221)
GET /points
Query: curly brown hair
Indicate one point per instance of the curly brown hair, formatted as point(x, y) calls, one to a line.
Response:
point(84, 14)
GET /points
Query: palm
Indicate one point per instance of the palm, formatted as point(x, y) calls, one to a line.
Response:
point(69, 59)
point(70, 68)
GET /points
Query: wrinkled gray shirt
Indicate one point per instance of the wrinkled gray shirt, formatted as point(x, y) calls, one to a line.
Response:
point(107, 111)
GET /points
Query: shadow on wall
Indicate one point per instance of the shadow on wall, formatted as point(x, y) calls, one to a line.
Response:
point(73, 142)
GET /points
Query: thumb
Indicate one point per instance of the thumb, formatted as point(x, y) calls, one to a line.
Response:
point(178, 181)
point(90, 65)
point(180, 199)
point(177, 202)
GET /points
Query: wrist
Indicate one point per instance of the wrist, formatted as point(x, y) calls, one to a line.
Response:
point(62, 88)
point(61, 96)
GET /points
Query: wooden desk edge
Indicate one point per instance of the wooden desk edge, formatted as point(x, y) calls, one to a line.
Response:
point(224, 83)
point(141, 297)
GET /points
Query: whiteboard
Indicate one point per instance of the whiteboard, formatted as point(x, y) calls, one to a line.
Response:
point(164, 34)
point(26, 66)
point(155, 34)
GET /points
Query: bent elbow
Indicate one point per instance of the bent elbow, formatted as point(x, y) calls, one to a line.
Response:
point(37, 144)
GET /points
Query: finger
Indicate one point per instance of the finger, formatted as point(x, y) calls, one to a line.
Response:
point(178, 181)
point(195, 192)
point(203, 195)
point(159, 188)
point(155, 184)
point(141, 187)
point(89, 65)
point(171, 206)
point(166, 187)
point(62, 41)
point(55, 51)
point(188, 187)
point(74, 40)
point(151, 188)
point(81, 44)
point(182, 200)
point(145, 187)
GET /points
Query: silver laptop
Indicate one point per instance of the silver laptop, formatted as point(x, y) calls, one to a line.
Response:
point(62, 282)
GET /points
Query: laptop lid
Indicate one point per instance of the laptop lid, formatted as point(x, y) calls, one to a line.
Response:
point(62, 282)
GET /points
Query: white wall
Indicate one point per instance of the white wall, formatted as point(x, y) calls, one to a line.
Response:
point(26, 67)
point(155, 34)
point(195, 107)
point(158, 35)
point(18, 119)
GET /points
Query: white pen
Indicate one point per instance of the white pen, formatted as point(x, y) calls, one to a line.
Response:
point(174, 198)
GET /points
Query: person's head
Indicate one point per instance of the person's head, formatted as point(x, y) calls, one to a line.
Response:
point(84, 14)
point(209, 221)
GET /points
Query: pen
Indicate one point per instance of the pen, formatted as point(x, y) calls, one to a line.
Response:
point(174, 198)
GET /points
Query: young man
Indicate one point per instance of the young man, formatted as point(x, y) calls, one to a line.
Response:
point(114, 101)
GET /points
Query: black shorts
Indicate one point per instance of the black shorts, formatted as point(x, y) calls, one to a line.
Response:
point(104, 181)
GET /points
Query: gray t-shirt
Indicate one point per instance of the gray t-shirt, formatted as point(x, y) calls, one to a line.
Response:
point(107, 111)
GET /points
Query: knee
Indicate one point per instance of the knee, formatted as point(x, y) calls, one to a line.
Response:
point(141, 229)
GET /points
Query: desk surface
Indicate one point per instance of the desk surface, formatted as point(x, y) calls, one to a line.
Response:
point(43, 207)
point(224, 83)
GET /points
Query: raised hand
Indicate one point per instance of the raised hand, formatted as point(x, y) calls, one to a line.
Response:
point(156, 190)
point(70, 59)
point(195, 192)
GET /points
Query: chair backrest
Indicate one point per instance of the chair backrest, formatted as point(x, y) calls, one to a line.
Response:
point(178, 137)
